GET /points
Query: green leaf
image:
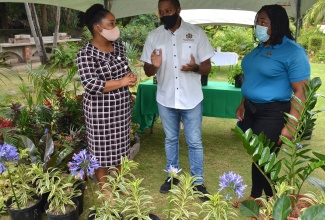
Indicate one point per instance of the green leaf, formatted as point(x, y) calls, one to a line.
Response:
point(249, 208)
point(269, 165)
point(282, 208)
point(317, 182)
point(264, 157)
point(275, 171)
point(33, 151)
point(315, 212)
point(257, 153)
point(287, 142)
point(252, 145)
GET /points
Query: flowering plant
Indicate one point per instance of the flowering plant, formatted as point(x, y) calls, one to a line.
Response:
point(300, 161)
point(218, 205)
point(20, 182)
point(82, 166)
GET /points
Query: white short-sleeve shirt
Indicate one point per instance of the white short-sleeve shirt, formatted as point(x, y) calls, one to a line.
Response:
point(178, 89)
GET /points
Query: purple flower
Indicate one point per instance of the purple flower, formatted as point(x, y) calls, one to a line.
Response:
point(299, 146)
point(7, 153)
point(83, 162)
point(172, 171)
point(233, 183)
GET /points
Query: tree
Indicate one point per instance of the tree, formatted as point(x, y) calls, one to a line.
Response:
point(36, 32)
point(44, 23)
point(4, 16)
point(316, 13)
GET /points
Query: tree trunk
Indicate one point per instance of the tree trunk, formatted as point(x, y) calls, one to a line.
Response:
point(36, 38)
point(57, 27)
point(44, 59)
point(4, 16)
point(45, 28)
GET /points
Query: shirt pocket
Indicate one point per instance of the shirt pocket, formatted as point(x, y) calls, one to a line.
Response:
point(187, 50)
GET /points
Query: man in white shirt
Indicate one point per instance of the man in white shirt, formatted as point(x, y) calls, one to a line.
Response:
point(179, 53)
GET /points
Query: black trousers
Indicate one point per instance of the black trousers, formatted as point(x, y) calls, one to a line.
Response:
point(270, 118)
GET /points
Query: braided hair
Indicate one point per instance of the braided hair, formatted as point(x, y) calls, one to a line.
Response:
point(95, 14)
point(279, 23)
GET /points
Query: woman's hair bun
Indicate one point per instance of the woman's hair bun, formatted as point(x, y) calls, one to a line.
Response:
point(92, 11)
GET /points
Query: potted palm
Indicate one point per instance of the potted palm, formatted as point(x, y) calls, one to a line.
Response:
point(300, 161)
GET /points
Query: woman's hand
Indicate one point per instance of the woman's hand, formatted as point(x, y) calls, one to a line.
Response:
point(132, 79)
point(240, 112)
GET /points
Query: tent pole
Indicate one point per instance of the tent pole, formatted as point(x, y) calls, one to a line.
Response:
point(297, 19)
point(106, 4)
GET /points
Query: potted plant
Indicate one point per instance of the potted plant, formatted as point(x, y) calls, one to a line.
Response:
point(182, 196)
point(300, 161)
point(61, 189)
point(23, 201)
point(236, 76)
point(109, 202)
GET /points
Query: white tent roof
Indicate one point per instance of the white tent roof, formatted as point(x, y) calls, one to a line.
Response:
point(125, 8)
point(219, 16)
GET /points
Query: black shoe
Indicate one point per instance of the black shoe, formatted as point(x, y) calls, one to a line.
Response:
point(201, 188)
point(166, 186)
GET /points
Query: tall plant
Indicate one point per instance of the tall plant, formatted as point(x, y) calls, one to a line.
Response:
point(300, 161)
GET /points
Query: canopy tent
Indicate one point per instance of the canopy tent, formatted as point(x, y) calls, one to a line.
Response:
point(219, 16)
point(125, 8)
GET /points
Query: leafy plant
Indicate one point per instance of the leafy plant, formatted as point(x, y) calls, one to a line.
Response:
point(21, 188)
point(110, 203)
point(183, 198)
point(277, 207)
point(61, 188)
point(64, 56)
point(138, 204)
point(298, 163)
point(237, 70)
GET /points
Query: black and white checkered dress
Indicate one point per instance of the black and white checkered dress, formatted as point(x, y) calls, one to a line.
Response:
point(107, 115)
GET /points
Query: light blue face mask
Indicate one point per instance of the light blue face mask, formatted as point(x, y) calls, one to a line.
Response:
point(261, 33)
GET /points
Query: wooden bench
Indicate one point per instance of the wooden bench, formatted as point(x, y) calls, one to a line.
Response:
point(23, 46)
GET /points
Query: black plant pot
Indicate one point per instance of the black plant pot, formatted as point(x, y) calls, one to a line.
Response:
point(151, 216)
point(91, 215)
point(30, 213)
point(239, 79)
point(44, 201)
point(73, 215)
point(82, 187)
point(204, 80)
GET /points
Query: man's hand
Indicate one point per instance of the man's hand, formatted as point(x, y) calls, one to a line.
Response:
point(156, 58)
point(191, 66)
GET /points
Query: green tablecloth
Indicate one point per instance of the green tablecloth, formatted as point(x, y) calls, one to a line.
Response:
point(220, 100)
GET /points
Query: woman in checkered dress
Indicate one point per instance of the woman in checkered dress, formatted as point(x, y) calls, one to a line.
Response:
point(106, 77)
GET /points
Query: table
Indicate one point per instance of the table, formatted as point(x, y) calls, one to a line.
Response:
point(221, 99)
point(224, 58)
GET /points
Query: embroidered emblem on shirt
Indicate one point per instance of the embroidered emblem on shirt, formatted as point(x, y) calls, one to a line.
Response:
point(189, 37)
point(268, 54)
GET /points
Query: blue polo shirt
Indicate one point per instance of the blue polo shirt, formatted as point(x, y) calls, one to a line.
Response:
point(269, 71)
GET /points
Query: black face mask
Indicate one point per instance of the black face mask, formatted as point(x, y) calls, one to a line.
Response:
point(169, 21)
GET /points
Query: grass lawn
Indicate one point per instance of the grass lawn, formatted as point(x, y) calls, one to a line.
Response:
point(223, 152)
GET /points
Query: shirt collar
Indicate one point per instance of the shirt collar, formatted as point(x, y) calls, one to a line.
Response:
point(284, 40)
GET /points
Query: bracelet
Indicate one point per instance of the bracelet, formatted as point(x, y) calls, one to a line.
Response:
point(196, 69)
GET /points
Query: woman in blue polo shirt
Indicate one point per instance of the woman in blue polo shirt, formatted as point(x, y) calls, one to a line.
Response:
point(277, 68)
